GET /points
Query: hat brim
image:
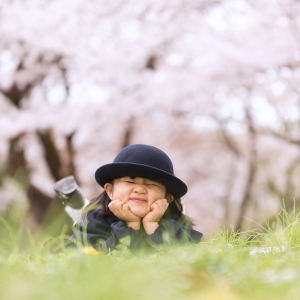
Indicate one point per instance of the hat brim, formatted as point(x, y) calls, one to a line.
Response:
point(110, 171)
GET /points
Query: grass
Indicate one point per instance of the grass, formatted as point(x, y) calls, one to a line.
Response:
point(258, 264)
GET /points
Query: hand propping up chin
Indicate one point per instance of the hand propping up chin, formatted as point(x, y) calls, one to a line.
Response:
point(121, 210)
point(150, 221)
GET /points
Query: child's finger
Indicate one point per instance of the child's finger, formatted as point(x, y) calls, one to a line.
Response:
point(126, 207)
point(112, 202)
point(115, 204)
point(154, 206)
point(119, 206)
point(158, 202)
point(164, 203)
point(161, 202)
point(160, 205)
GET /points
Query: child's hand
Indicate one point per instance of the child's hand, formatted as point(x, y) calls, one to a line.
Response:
point(158, 209)
point(150, 221)
point(121, 210)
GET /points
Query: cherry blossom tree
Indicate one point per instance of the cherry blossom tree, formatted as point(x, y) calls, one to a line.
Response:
point(212, 83)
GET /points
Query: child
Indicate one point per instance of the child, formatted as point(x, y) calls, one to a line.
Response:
point(140, 205)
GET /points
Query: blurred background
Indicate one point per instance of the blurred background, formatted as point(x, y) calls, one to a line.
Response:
point(213, 83)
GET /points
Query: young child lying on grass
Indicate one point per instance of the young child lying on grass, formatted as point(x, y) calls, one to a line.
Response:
point(140, 205)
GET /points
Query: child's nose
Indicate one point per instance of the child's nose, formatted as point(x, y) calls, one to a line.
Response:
point(139, 188)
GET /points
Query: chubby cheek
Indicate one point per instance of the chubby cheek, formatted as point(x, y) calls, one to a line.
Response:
point(120, 196)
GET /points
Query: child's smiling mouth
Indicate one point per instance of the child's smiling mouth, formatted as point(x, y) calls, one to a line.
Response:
point(138, 200)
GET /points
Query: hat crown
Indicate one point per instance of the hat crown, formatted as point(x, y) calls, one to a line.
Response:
point(145, 155)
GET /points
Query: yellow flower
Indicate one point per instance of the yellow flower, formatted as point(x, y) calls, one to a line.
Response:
point(89, 250)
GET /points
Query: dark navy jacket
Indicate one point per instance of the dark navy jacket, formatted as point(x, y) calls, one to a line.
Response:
point(106, 233)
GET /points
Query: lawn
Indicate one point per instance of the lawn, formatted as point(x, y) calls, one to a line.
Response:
point(259, 264)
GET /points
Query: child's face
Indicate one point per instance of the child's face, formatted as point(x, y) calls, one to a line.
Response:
point(139, 193)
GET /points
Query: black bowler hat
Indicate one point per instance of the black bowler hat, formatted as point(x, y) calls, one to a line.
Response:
point(143, 161)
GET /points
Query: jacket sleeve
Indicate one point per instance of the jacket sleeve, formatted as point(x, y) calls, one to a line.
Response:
point(101, 234)
point(171, 231)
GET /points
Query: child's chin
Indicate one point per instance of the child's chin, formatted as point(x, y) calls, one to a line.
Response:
point(138, 212)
